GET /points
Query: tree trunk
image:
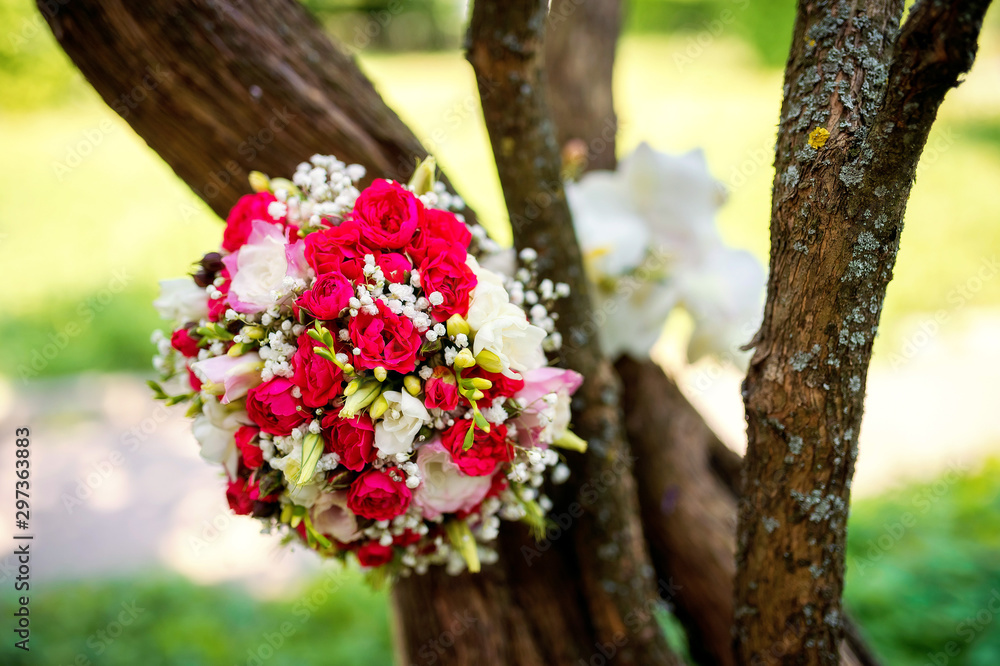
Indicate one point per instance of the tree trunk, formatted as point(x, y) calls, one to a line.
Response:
point(858, 105)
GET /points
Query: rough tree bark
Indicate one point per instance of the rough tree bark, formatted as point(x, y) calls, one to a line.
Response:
point(580, 44)
point(505, 47)
point(860, 98)
point(218, 89)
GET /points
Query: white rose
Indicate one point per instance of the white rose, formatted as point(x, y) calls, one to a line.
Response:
point(515, 342)
point(488, 297)
point(181, 300)
point(215, 429)
point(400, 423)
point(444, 488)
point(330, 516)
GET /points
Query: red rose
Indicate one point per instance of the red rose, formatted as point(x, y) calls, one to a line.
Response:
point(446, 272)
point(394, 266)
point(182, 341)
point(374, 554)
point(407, 538)
point(376, 495)
point(386, 339)
point(387, 214)
point(439, 225)
point(193, 380)
point(272, 407)
point(217, 306)
point(319, 380)
point(238, 496)
point(249, 452)
point(327, 297)
point(239, 223)
point(441, 390)
point(488, 449)
point(337, 250)
point(502, 385)
point(353, 440)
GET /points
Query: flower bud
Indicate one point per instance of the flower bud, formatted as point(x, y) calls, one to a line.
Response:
point(457, 325)
point(259, 182)
point(489, 361)
point(412, 384)
point(362, 396)
point(378, 407)
point(464, 359)
point(422, 180)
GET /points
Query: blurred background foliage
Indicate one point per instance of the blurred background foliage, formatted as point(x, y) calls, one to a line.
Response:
point(88, 244)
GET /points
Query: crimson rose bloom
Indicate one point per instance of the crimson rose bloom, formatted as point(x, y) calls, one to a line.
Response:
point(386, 339)
point(376, 495)
point(488, 449)
point(441, 390)
point(327, 297)
point(319, 380)
point(394, 266)
point(238, 496)
point(353, 440)
point(374, 554)
point(239, 223)
point(251, 455)
point(182, 341)
point(387, 214)
point(272, 407)
point(438, 225)
point(445, 271)
point(337, 250)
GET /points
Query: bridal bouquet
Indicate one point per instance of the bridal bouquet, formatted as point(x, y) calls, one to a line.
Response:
point(368, 386)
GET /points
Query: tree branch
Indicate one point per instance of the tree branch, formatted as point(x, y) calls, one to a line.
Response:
point(505, 49)
point(852, 127)
point(579, 61)
point(220, 88)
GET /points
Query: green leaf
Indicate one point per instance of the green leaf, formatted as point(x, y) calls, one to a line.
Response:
point(469, 437)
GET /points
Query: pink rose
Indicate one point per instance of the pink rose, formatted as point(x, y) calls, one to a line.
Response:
point(353, 440)
point(439, 226)
point(319, 380)
point(239, 223)
point(446, 272)
point(374, 554)
point(488, 449)
point(238, 496)
point(338, 250)
point(441, 390)
point(387, 214)
point(376, 495)
point(272, 407)
point(260, 267)
point(386, 339)
point(249, 452)
point(328, 296)
point(330, 517)
point(444, 487)
point(237, 374)
point(540, 422)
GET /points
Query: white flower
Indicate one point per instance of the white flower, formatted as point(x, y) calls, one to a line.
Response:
point(181, 300)
point(501, 327)
point(330, 516)
point(724, 295)
point(215, 429)
point(444, 488)
point(400, 423)
point(650, 240)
